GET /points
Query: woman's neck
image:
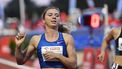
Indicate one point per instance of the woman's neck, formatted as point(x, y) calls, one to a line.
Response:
point(51, 32)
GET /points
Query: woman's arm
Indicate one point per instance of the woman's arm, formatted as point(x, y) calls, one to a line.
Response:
point(105, 43)
point(107, 40)
point(71, 61)
point(23, 55)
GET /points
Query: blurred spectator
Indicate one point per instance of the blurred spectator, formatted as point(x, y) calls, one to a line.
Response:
point(113, 21)
point(1, 18)
point(42, 2)
point(1, 26)
point(12, 23)
point(27, 24)
point(64, 17)
point(73, 19)
point(4, 2)
point(118, 13)
point(38, 26)
point(91, 3)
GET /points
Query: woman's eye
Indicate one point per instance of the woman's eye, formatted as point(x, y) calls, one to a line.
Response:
point(57, 15)
point(49, 14)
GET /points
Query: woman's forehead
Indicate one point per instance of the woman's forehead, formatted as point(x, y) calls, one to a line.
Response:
point(52, 11)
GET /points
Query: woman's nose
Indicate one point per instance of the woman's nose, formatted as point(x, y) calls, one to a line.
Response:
point(54, 17)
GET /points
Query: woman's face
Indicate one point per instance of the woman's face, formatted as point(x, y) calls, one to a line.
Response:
point(52, 18)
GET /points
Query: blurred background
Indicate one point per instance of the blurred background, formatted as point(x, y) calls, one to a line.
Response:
point(88, 21)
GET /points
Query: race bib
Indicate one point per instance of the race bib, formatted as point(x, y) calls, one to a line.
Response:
point(54, 49)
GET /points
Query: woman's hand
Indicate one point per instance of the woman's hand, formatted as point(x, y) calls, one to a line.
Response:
point(19, 39)
point(50, 56)
point(101, 56)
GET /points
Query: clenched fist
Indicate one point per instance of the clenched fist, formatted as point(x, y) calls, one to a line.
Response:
point(19, 38)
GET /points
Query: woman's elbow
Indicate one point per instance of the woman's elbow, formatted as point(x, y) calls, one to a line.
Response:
point(74, 65)
point(19, 62)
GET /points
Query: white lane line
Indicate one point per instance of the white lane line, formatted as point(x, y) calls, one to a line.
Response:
point(13, 64)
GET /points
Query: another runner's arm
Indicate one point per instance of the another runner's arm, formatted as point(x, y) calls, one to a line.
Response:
point(106, 40)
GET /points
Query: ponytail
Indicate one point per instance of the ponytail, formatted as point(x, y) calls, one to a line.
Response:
point(62, 28)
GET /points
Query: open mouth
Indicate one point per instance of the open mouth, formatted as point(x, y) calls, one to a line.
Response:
point(53, 21)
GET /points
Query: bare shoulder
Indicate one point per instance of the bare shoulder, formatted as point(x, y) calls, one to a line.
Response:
point(36, 36)
point(35, 40)
point(116, 29)
point(114, 33)
point(67, 37)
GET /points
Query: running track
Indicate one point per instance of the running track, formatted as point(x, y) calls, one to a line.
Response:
point(9, 62)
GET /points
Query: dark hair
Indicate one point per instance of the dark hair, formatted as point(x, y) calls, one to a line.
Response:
point(45, 11)
point(61, 28)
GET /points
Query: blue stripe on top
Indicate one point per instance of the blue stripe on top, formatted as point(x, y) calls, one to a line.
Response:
point(59, 45)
